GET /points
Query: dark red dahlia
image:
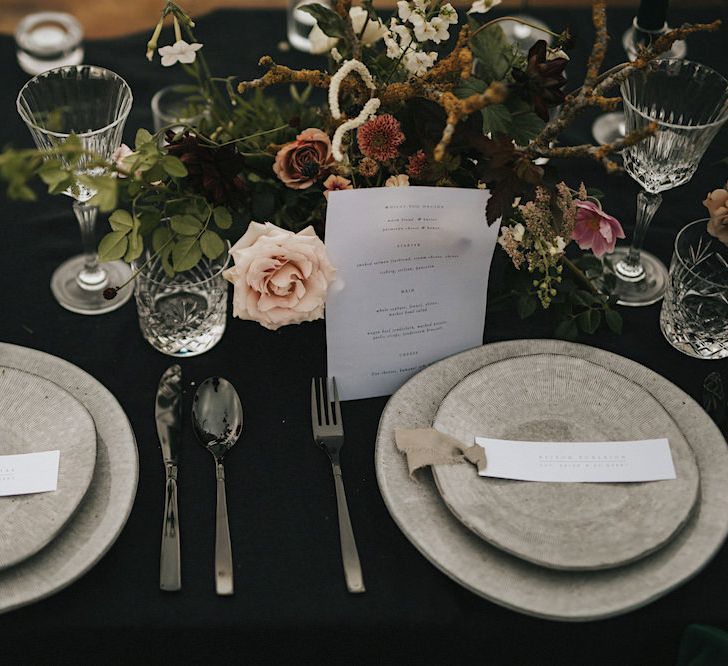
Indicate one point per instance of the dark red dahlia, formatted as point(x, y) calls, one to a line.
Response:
point(416, 164)
point(543, 80)
point(213, 171)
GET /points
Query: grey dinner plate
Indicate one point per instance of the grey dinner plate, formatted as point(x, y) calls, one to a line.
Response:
point(106, 506)
point(576, 526)
point(36, 415)
point(486, 570)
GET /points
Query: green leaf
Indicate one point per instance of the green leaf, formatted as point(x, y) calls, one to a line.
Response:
point(113, 246)
point(121, 220)
point(494, 54)
point(185, 225)
point(142, 136)
point(136, 245)
point(160, 237)
point(581, 297)
point(174, 166)
point(164, 255)
point(185, 254)
point(614, 320)
point(328, 20)
point(526, 306)
point(106, 191)
point(211, 244)
point(222, 216)
point(567, 330)
point(148, 221)
point(496, 119)
point(589, 321)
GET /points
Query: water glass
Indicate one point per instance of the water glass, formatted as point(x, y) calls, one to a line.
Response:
point(300, 23)
point(183, 315)
point(694, 316)
point(173, 108)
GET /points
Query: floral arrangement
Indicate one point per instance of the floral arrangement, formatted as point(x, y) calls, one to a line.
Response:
point(717, 204)
point(408, 100)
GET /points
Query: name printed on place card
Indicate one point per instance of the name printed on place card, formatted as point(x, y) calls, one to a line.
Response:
point(25, 473)
point(596, 462)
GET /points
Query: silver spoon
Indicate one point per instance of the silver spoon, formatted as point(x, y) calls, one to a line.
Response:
point(217, 418)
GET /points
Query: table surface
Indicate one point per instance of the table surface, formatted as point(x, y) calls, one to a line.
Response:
point(290, 601)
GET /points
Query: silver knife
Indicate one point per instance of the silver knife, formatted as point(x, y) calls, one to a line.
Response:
point(168, 414)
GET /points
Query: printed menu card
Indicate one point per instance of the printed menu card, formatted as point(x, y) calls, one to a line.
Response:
point(412, 278)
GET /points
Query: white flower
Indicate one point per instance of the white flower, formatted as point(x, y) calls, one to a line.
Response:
point(518, 230)
point(558, 248)
point(370, 108)
point(441, 27)
point(180, 51)
point(448, 13)
point(404, 9)
point(424, 30)
point(397, 181)
point(320, 41)
point(419, 62)
point(553, 54)
point(482, 6)
point(346, 68)
point(375, 30)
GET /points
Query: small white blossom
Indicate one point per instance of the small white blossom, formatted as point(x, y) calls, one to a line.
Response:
point(180, 51)
point(483, 6)
point(320, 41)
point(418, 62)
point(374, 31)
point(336, 55)
point(553, 54)
point(424, 30)
point(518, 230)
point(558, 248)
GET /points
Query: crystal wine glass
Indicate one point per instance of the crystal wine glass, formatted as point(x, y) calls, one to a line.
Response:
point(610, 127)
point(689, 103)
point(91, 103)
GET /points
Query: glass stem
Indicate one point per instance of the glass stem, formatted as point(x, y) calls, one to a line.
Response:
point(630, 268)
point(92, 277)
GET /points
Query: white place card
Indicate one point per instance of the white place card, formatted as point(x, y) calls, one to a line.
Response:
point(26, 473)
point(412, 267)
point(596, 462)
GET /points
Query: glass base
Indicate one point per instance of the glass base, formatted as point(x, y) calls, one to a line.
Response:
point(73, 297)
point(645, 290)
point(609, 127)
point(689, 343)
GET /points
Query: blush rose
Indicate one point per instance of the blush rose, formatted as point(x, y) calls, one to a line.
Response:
point(279, 277)
point(595, 230)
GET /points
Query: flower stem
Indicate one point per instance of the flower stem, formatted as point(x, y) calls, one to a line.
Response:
point(517, 20)
point(579, 274)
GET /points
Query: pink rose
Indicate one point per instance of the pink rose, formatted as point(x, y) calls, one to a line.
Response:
point(717, 204)
point(279, 277)
point(594, 229)
point(301, 162)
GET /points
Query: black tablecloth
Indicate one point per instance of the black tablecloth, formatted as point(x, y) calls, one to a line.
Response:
point(290, 602)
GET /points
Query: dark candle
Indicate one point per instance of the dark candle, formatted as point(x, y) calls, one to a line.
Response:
point(652, 14)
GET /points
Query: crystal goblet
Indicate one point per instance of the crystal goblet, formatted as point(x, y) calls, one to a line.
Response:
point(91, 103)
point(689, 103)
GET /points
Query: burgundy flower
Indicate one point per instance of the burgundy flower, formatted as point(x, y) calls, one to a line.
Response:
point(212, 171)
point(380, 138)
point(301, 162)
point(543, 80)
point(416, 164)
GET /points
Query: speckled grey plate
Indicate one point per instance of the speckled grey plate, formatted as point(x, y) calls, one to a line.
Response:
point(37, 415)
point(573, 526)
point(105, 508)
point(510, 581)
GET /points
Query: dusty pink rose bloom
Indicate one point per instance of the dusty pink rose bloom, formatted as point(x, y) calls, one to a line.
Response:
point(334, 182)
point(301, 162)
point(279, 277)
point(119, 155)
point(594, 229)
point(717, 204)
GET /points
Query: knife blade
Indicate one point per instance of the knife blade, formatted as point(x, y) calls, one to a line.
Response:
point(168, 415)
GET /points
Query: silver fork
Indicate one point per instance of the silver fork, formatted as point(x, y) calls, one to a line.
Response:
point(328, 433)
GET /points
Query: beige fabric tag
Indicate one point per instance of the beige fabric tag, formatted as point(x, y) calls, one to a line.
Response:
point(427, 446)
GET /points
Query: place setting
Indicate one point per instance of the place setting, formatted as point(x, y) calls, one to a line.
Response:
point(283, 248)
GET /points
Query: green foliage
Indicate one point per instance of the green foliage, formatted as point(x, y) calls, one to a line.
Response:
point(328, 20)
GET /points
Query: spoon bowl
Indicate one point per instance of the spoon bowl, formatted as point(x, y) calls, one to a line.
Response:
point(217, 419)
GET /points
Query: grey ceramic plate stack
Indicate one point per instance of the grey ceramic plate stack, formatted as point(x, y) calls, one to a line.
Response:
point(48, 540)
point(561, 551)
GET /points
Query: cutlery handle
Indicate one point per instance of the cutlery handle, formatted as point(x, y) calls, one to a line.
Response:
point(223, 548)
point(170, 578)
point(349, 554)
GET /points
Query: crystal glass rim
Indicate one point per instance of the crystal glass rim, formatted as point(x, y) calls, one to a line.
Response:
point(160, 93)
point(718, 122)
point(63, 135)
point(144, 271)
point(689, 269)
point(68, 21)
